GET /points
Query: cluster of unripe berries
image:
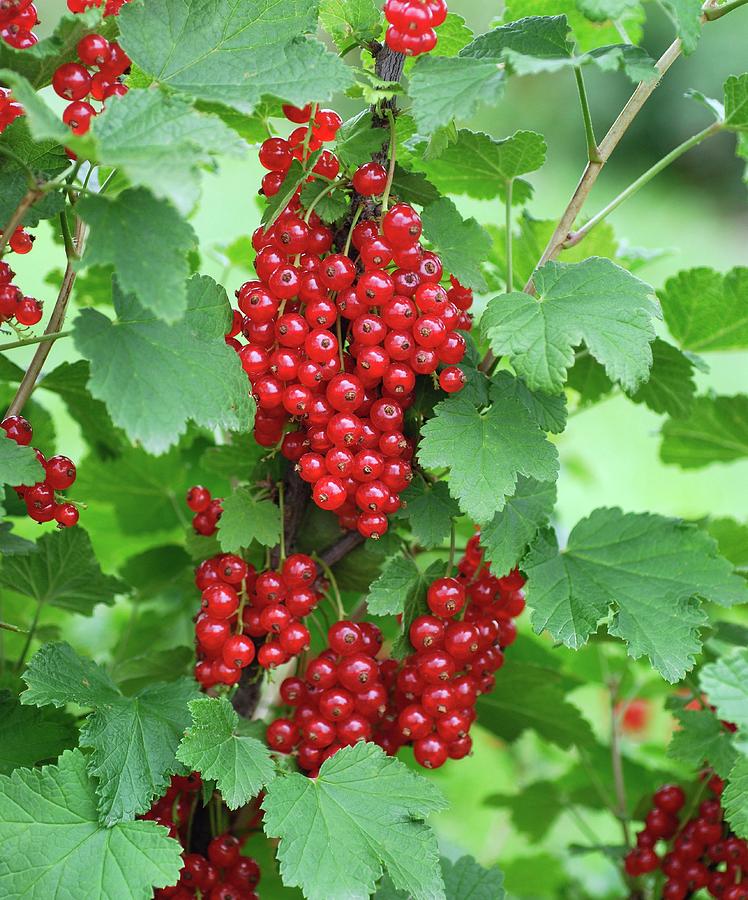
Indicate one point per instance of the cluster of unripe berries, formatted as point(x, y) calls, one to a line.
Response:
point(336, 341)
point(17, 21)
point(412, 24)
point(428, 701)
point(432, 704)
point(246, 614)
point(340, 700)
point(223, 873)
point(14, 304)
point(700, 853)
point(96, 76)
point(43, 501)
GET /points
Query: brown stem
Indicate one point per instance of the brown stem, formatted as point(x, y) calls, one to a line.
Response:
point(592, 170)
point(54, 325)
point(27, 201)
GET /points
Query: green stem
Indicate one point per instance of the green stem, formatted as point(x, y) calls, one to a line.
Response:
point(617, 764)
point(282, 507)
point(593, 154)
point(347, 49)
point(334, 585)
point(452, 545)
point(393, 160)
point(11, 345)
point(716, 12)
point(67, 237)
point(308, 135)
point(328, 190)
point(354, 221)
point(6, 626)
point(576, 236)
point(29, 636)
point(509, 237)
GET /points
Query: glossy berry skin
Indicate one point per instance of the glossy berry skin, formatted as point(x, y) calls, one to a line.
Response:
point(223, 851)
point(93, 50)
point(18, 429)
point(71, 81)
point(370, 180)
point(402, 225)
point(431, 752)
point(670, 798)
point(60, 472)
point(446, 597)
point(282, 735)
point(452, 380)
point(238, 651)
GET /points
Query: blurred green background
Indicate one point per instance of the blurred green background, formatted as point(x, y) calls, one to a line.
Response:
point(610, 454)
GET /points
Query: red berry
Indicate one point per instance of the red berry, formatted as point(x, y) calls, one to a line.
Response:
point(431, 752)
point(370, 179)
point(71, 81)
point(238, 651)
point(223, 851)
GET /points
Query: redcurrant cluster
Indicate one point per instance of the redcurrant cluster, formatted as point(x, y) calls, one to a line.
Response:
point(699, 853)
point(339, 702)
point(43, 504)
point(224, 874)
point(223, 650)
point(432, 704)
point(336, 344)
point(412, 24)
point(207, 510)
point(17, 21)
point(14, 304)
point(247, 614)
point(96, 76)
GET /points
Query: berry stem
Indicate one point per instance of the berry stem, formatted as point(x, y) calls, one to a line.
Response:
point(281, 507)
point(29, 636)
point(308, 135)
point(509, 237)
point(576, 236)
point(339, 332)
point(393, 159)
point(354, 221)
point(54, 326)
point(716, 12)
point(25, 342)
point(328, 190)
point(334, 585)
point(67, 237)
point(593, 154)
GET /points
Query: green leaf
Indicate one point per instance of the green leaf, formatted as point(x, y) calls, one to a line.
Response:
point(245, 520)
point(359, 139)
point(444, 88)
point(528, 696)
point(43, 123)
point(702, 738)
point(413, 187)
point(707, 311)
point(725, 682)
point(463, 880)
point(350, 21)
point(633, 61)
point(534, 810)
point(543, 37)
point(233, 54)
point(548, 410)
point(49, 816)
point(192, 373)
point(735, 798)
point(462, 243)
point(133, 740)
point(135, 218)
point(397, 587)
point(732, 539)
point(605, 10)
point(344, 854)
point(30, 736)
point(508, 535)
point(480, 166)
point(468, 880)
point(595, 302)
point(241, 457)
point(18, 464)
point(138, 672)
point(486, 452)
point(715, 431)
point(147, 492)
point(429, 510)
point(645, 570)
point(63, 573)
point(46, 160)
point(587, 34)
point(686, 16)
point(217, 746)
point(38, 63)
point(160, 142)
point(331, 206)
point(736, 102)
point(11, 544)
point(69, 382)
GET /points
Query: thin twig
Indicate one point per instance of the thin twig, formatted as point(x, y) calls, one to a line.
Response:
point(593, 154)
point(27, 201)
point(617, 764)
point(26, 342)
point(54, 326)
